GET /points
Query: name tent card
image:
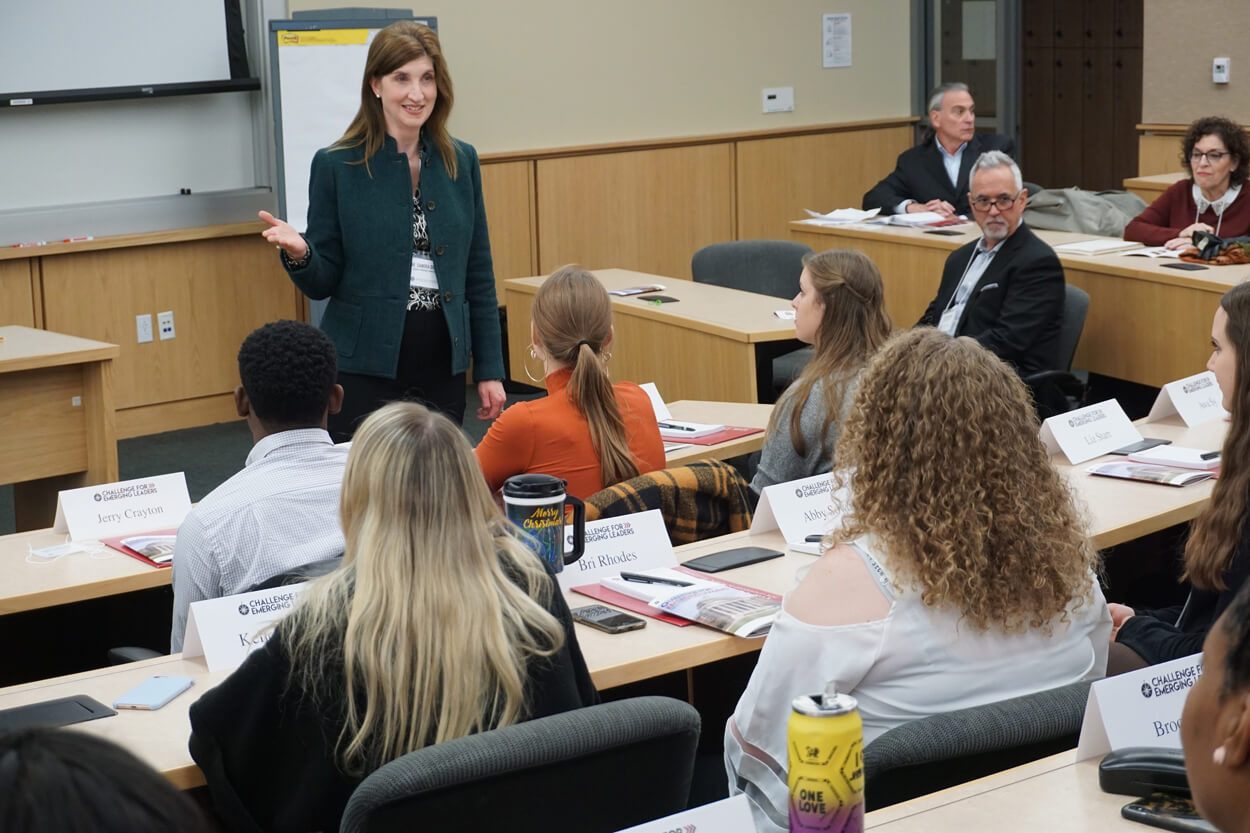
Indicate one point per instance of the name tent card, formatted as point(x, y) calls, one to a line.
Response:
point(798, 508)
point(224, 631)
point(1197, 399)
point(1089, 432)
point(627, 542)
point(1142, 708)
point(729, 815)
point(113, 509)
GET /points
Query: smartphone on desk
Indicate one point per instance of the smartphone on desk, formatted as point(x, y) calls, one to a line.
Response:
point(728, 559)
point(604, 618)
point(153, 693)
point(1169, 812)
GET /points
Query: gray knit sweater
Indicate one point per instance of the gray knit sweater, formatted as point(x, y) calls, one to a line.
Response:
point(779, 462)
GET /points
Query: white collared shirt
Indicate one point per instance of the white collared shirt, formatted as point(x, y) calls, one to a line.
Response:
point(1218, 206)
point(280, 512)
point(950, 161)
point(981, 257)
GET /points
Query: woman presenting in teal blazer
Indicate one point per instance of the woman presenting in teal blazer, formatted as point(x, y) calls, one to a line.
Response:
point(397, 241)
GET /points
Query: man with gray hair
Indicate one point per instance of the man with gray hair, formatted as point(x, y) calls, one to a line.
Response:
point(933, 176)
point(1006, 288)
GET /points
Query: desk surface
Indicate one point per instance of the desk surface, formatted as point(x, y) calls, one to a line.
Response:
point(1053, 794)
point(701, 307)
point(25, 348)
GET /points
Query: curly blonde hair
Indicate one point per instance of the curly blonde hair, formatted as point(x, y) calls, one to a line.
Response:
point(945, 468)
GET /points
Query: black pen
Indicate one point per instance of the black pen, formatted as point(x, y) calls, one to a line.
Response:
point(671, 427)
point(814, 538)
point(645, 579)
point(1209, 455)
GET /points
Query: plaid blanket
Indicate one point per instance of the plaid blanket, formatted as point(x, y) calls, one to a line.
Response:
point(698, 500)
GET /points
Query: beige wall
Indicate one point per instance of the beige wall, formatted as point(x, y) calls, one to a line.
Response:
point(1181, 39)
point(556, 73)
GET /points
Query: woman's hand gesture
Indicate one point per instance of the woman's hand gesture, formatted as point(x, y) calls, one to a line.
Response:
point(283, 235)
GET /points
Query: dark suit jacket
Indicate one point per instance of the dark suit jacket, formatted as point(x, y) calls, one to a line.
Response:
point(1016, 308)
point(920, 175)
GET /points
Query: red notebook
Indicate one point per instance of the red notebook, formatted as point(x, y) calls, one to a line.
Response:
point(161, 553)
point(605, 594)
point(728, 433)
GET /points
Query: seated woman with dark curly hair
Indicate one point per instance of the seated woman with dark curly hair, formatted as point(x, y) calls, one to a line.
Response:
point(1216, 152)
point(961, 574)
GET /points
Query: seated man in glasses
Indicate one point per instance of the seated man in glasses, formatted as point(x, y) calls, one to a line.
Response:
point(933, 175)
point(1005, 289)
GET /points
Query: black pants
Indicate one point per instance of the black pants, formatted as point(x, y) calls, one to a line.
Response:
point(423, 375)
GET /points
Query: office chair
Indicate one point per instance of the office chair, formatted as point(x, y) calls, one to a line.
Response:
point(592, 770)
point(768, 267)
point(947, 749)
point(1061, 390)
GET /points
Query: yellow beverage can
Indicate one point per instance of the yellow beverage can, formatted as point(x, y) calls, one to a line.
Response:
point(826, 772)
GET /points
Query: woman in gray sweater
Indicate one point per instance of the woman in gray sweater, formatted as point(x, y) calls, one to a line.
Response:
point(840, 309)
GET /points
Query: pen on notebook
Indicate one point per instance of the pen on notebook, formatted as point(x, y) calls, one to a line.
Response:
point(644, 579)
point(1209, 455)
point(671, 427)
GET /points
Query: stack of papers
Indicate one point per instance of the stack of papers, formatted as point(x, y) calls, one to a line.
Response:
point(1097, 246)
point(840, 217)
point(675, 429)
point(1154, 251)
point(918, 218)
point(713, 603)
point(1178, 457)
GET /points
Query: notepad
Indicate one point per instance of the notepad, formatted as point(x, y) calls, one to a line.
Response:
point(1097, 246)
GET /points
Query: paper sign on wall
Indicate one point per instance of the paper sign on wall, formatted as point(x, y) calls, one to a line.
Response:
point(798, 508)
point(729, 815)
point(627, 542)
point(225, 630)
point(113, 509)
point(1197, 399)
point(1141, 708)
point(1089, 432)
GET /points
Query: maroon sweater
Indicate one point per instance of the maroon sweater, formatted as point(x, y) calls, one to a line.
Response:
point(1175, 209)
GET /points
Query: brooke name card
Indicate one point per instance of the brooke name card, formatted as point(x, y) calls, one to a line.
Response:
point(95, 512)
point(798, 508)
point(224, 631)
point(1142, 708)
point(1089, 432)
point(1197, 399)
point(627, 542)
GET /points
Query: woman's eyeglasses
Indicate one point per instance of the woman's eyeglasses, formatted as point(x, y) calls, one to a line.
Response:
point(1212, 156)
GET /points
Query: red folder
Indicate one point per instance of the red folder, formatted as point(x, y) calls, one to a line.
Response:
point(724, 435)
point(116, 544)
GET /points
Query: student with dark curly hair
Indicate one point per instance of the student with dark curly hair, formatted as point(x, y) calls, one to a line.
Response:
point(1215, 726)
point(960, 575)
point(281, 511)
point(1216, 152)
point(64, 780)
point(1217, 554)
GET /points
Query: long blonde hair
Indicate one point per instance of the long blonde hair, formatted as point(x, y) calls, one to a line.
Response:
point(853, 327)
point(944, 465)
point(437, 609)
point(392, 47)
point(572, 316)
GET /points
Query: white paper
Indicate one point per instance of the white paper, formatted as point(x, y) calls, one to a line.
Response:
point(1197, 399)
point(836, 40)
point(843, 215)
point(785, 314)
point(657, 401)
point(1153, 251)
point(729, 815)
point(112, 509)
point(225, 630)
point(1141, 708)
point(1089, 432)
point(629, 542)
point(798, 508)
point(1096, 246)
point(916, 218)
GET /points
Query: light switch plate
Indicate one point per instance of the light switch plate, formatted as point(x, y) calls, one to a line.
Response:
point(779, 100)
point(143, 328)
point(1219, 70)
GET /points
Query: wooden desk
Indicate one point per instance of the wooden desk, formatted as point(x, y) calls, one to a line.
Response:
point(1052, 794)
point(56, 406)
point(1150, 188)
point(738, 414)
point(1147, 323)
point(714, 343)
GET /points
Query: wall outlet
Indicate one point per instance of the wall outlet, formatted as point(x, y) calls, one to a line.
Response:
point(779, 100)
point(1219, 70)
point(165, 321)
point(143, 328)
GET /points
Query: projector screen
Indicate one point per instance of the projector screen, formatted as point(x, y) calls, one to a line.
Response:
point(70, 50)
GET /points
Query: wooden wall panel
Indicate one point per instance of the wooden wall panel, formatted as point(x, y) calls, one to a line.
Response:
point(219, 291)
point(508, 189)
point(1159, 153)
point(647, 210)
point(778, 178)
point(17, 301)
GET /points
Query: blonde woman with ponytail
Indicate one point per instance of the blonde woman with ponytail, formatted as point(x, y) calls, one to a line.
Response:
point(439, 624)
point(587, 430)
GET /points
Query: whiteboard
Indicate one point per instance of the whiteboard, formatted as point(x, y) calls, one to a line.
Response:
point(317, 71)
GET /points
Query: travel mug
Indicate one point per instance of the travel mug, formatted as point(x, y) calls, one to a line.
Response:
point(535, 503)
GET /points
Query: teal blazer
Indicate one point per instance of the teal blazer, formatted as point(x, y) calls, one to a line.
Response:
point(360, 236)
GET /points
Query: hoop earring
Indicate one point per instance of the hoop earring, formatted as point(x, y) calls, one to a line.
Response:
point(526, 365)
